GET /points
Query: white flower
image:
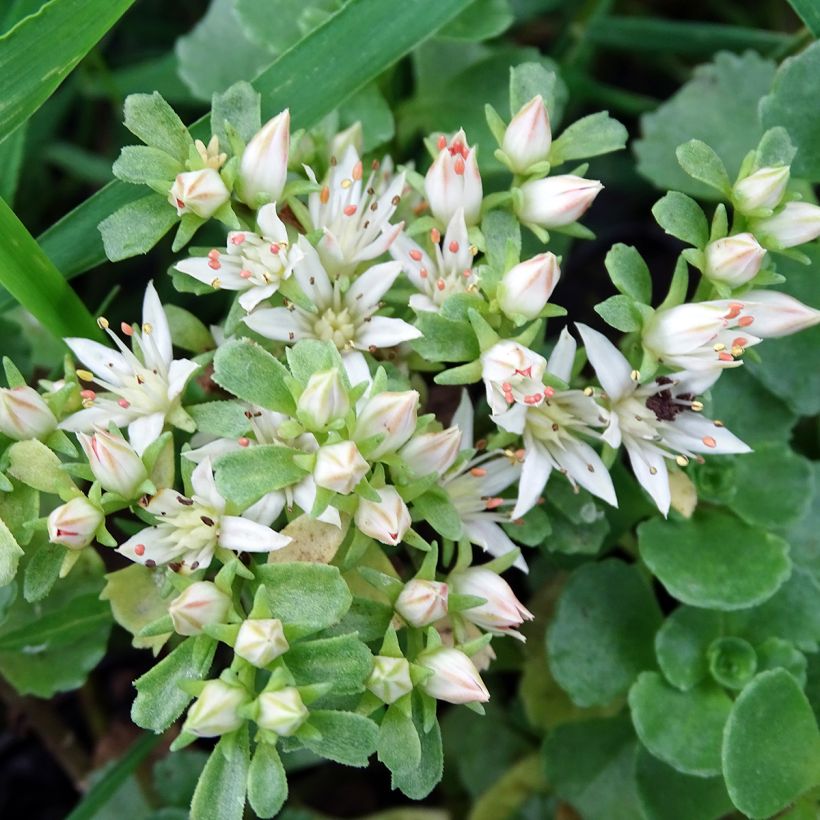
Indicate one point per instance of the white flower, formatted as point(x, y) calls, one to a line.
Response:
point(391, 414)
point(432, 452)
point(453, 181)
point(216, 711)
point(527, 287)
point(197, 606)
point(512, 373)
point(449, 271)
point(339, 467)
point(761, 190)
point(387, 520)
point(557, 201)
point(148, 381)
point(794, 224)
point(113, 462)
point(190, 529)
point(734, 260)
point(455, 678)
point(260, 641)
point(281, 711)
point(502, 613)
point(422, 602)
point(263, 169)
point(344, 317)
point(254, 264)
point(528, 137)
point(390, 678)
point(24, 414)
point(199, 192)
point(551, 433)
point(74, 523)
point(655, 421)
point(354, 214)
point(324, 399)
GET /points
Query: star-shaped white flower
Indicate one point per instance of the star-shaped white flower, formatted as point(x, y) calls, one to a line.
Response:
point(147, 379)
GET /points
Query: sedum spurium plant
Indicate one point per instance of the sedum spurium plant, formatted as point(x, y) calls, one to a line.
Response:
point(323, 559)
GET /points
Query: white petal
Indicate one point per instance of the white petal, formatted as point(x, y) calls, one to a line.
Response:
point(212, 450)
point(331, 516)
point(267, 509)
point(463, 419)
point(243, 535)
point(577, 458)
point(178, 374)
point(312, 277)
point(512, 420)
point(253, 296)
point(204, 486)
point(501, 472)
point(379, 245)
point(145, 430)
point(694, 432)
point(650, 469)
point(155, 548)
point(270, 226)
point(101, 414)
point(165, 502)
point(563, 356)
point(488, 535)
point(356, 367)
point(280, 324)
point(154, 315)
point(199, 267)
point(400, 251)
point(366, 291)
point(382, 331)
point(102, 360)
point(421, 303)
point(456, 232)
point(304, 493)
point(611, 367)
point(534, 476)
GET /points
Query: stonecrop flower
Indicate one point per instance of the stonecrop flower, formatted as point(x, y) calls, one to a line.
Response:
point(453, 181)
point(147, 380)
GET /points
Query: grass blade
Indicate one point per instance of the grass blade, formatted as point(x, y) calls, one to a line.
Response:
point(809, 12)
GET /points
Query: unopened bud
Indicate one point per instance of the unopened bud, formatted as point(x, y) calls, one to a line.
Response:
point(453, 181)
point(263, 169)
point(199, 605)
point(323, 400)
point(216, 711)
point(502, 613)
point(199, 192)
point(760, 190)
point(557, 201)
point(390, 678)
point(282, 711)
point(391, 414)
point(260, 641)
point(422, 602)
point(455, 678)
point(528, 138)
point(339, 467)
point(114, 463)
point(432, 452)
point(526, 288)
point(74, 523)
point(387, 520)
point(795, 224)
point(24, 414)
point(734, 260)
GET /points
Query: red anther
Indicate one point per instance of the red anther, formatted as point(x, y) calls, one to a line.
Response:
point(741, 341)
point(441, 284)
point(237, 239)
point(423, 273)
point(324, 196)
point(478, 472)
point(745, 321)
point(245, 274)
point(526, 372)
point(275, 247)
point(734, 310)
point(349, 210)
point(435, 235)
point(214, 264)
point(213, 254)
point(458, 166)
point(139, 549)
point(126, 329)
point(726, 357)
point(357, 171)
point(453, 247)
point(520, 454)
point(415, 255)
point(243, 442)
point(506, 387)
point(467, 273)
point(394, 536)
point(509, 398)
point(442, 142)
point(548, 392)
point(124, 403)
point(709, 441)
point(90, 395)
point(493, 503)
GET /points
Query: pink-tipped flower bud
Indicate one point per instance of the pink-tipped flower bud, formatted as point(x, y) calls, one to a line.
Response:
point(282, 711)
point(390, 678)
point(114, 463)
point(528, 138)
point(263, 169)
point(557, 201)
point(260, 641)
point(512, 373)
point(199, 605)
point(502, 613)
point(387, 520)
point(24, 414)
point(339, 467)
point(771, 314)
point(74, 523)
point(795, 224)
point(455, 678)
point(761, 190)
point(216, 711)
point(199, 192)
point(324, 400)
point(734, 260)
point(526, 288)
point(453, 181)
point(422, 603)
point(432, 452)
point(391, 414)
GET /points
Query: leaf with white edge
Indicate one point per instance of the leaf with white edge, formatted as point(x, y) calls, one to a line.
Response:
point(238, 107)
point(343, 661)
point(629, 273)
point(684, 729)
point(220, 792)
point(34, 464)
point(621, 313)
point(267, 781)
point(225, 419)
point(399, 747)
point(680, 216)
point(602, 632)
point(137, 226)
point(10, 553)
point(528, 80)
point(417, 782)
point(771, 747)
point(244, 476)
point(682, 642)
point(590, 136)
point(715, 560)
point(436, 508)
point(347, 738)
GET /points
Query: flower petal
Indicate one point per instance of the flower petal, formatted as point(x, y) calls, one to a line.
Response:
point(312, 277)
point(489, 536)
point(102, 360)
point(151, 547)
point(178, 374)
point(366, 291)
point(242, 535)
point(154, 317)
point(267, 509)
point(534, 476)
point(563, 356)
point(697, 434)
point(463, 419)
point(584, 466)
point(382, 331)
point(611, 367)
point(270, 225)
point(253, 296)
point(204, 486)
point(280, 324)
point(145, 430)
point(650, 469)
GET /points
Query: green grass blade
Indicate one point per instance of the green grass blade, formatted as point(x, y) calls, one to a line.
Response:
point(31, 278)
point(809, 12)
point(42, 49)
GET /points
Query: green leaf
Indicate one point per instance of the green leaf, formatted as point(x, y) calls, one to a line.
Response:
point(267, 781)
point(369, 107)
point(629, 272)
point(792, 105)
point(248, 371)
point(667, 794)
point(590, 765)
point(188, 331)
point(532, 529)
point(244, 476)
point(682, 217)
point(502, 233)
point(225, 419)
point(809, 13)
point(445, 340)
point(33, 463)
point(399, 747)
point(684, 729)
point(718, 106)
point(438, 511)
point(42, 50)
point(309, 597)
point(42, 567)
point(160, 700)
point(620, 312)
point(238, 107)
point(175, 776)
point(601, 635)
point(482, 21)
point(714, 560)
point(12, 153)
point(682, 642)
point(775, 653)
point(347, 738)
point(732, 662)
point(703, 164)
point(528, 80)
point(590, 136)
point(343, 661)
point(220, 792)
point(310, 356)
point(771, 748)
point(18, 508)
point(10, 553)
point(134, 228)
point(416, 783)
point(142, 165)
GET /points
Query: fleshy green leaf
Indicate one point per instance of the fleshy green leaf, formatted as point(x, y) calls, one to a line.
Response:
point(188, 331)
point(629, 272)
point(10, 553)
point(310, 356)
point(482, 21)
point(590, 136)
point(445, 340)
point(416, 783)
point(244, 476)
point(42, 567)
point(136, 227)
point(527, 80)
point(267, 781)
point(701, 162)
point(438, 511)
point(343, 661)
point(346, 738)
point(620, 312)
point(32, 462)
point(142, 164)
point(680, 216)
point(223, 782)
point(225, 419)
point(238, 107)
point(399, 746)
point(682, 642)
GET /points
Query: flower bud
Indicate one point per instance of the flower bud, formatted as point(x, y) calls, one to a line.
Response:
point(339, 467)
point(197, 606)
point(528, 138)
point(199, 192)
point(453, 181)
point(432, 452)
point(260, 641)
point(386, 520)
point(762, 189)
point(422, 603)
point(771, 314)
point(795, 224)
point(390, 678)
point(526, 288)
point(74, 523)
point(734, 260)
point(390, 414)
point(216, 711)
point(557, 201)
point(323, 400)
point(282, 711)
point(502, 613)
point(512, 373)
point(455, 678)
point(114, 463)
point(24, 414)
point(263, 169)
